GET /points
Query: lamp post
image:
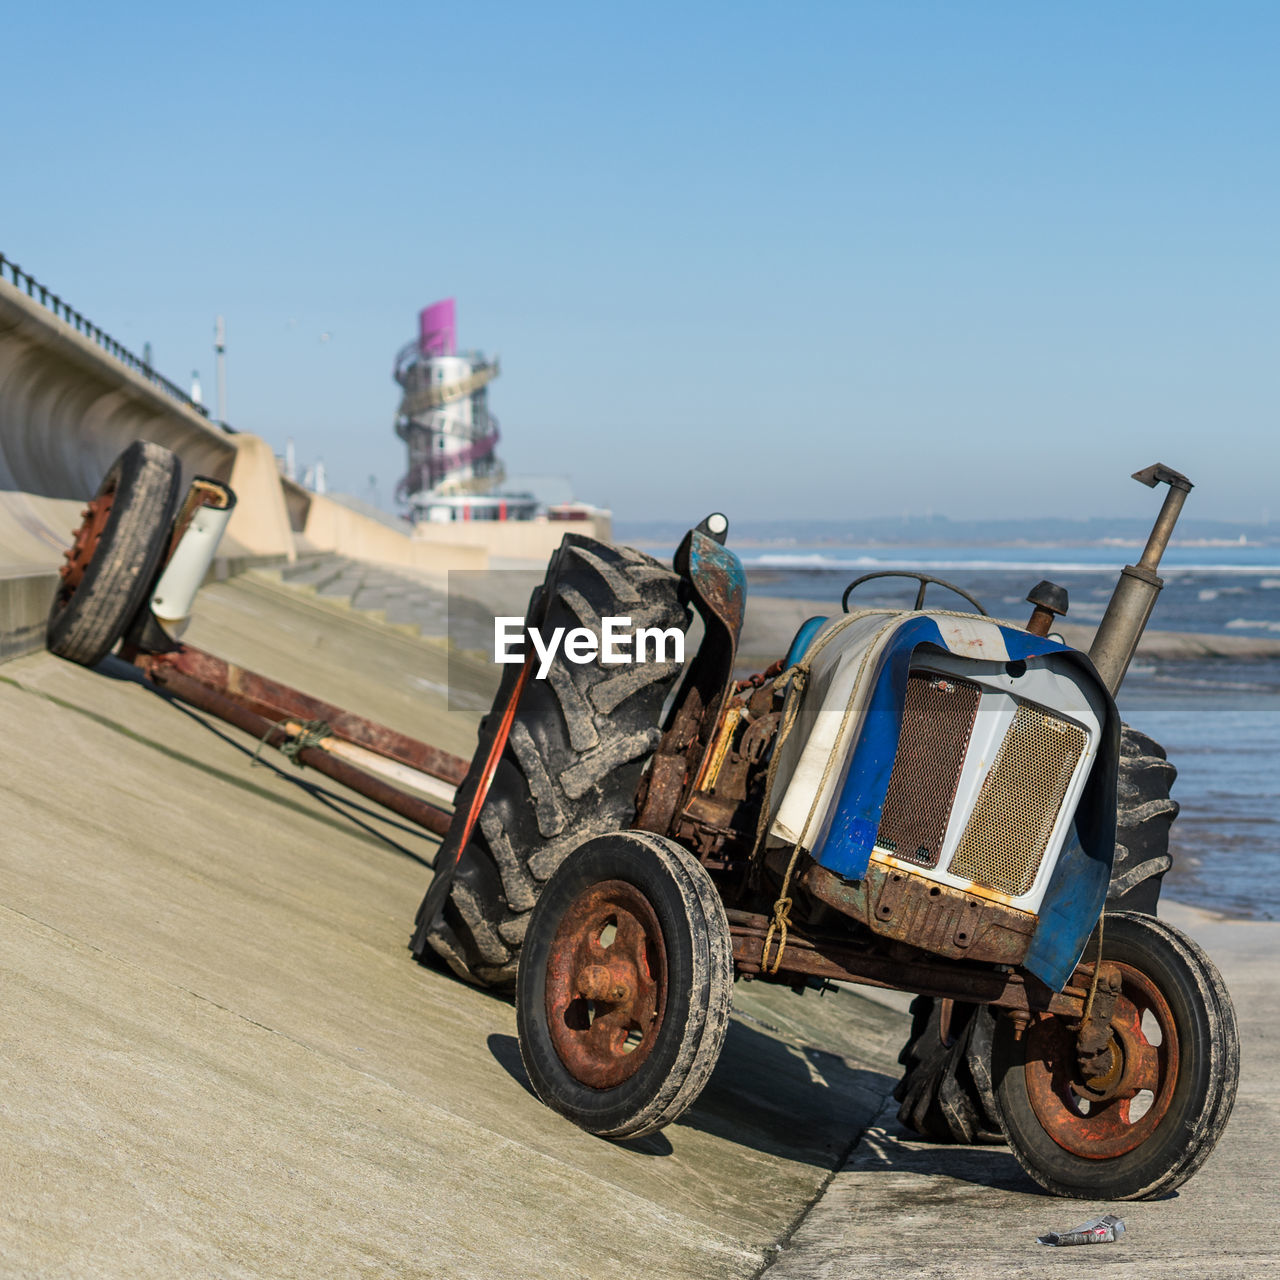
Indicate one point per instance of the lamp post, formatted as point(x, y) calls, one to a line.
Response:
point(220, 351)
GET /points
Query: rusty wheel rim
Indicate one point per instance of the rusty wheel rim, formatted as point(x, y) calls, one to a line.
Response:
point(606, 984)
point(1145, 1038)
point(77, 557)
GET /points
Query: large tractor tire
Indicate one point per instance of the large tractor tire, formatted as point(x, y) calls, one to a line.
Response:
point(947, 1091)
point(111, 566)
point(1144, 814)
point(569, 770)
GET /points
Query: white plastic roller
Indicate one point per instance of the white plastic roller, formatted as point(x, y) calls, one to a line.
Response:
point(210, 504)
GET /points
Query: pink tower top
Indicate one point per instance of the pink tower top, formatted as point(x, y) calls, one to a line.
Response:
point(437, 329)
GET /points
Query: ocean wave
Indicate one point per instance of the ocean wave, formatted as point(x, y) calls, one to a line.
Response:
point(820, 560)
point(1199, 682)
point(1252, 624)
point(872, 563)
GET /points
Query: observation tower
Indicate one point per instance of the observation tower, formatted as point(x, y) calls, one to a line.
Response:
point(444, 419)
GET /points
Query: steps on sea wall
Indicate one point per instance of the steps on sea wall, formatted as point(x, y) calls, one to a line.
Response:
point(395, 597)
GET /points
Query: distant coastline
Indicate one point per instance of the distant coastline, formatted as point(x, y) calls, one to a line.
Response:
point(772, 621)
point(939, 531)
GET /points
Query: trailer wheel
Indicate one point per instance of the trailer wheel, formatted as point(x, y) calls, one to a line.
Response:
point(625, 985)
point(570, 767)
point(945, 1089)
point(110, 566)
point(1177, 1052)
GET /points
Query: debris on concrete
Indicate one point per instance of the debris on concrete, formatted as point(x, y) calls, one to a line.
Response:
point(1105, 1230)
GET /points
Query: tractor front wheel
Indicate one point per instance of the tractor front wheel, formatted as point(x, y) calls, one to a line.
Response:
point(1151, 1121)
point(625, 984)
point(946, 1090)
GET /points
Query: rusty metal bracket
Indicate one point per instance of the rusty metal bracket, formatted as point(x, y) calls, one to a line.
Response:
point(1097, 1055)
point(838, 961)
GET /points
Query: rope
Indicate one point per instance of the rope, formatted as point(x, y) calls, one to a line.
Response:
point(781, 919)
point(1097, 970)
point(310, 734)
point(795, 679)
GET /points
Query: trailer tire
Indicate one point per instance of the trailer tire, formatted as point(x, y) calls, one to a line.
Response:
point(946, 1089)
point(569, 770)
point(111, 566)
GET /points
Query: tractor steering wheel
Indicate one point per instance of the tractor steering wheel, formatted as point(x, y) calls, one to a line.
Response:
point(922, 578)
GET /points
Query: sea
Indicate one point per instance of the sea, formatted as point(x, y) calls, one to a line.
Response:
point(1218, 718)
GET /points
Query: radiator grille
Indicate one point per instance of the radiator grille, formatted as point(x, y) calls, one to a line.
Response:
point(937, 720)
point(1018, 805)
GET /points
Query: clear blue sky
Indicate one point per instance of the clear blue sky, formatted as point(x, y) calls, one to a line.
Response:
point(786, 260)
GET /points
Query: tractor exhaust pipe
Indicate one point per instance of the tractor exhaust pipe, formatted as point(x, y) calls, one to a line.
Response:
point(1135, 594)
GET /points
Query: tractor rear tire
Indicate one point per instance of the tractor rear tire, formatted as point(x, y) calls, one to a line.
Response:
point(111, 567)
point(946, 1089)
point(569, 771)
point(1144, 814)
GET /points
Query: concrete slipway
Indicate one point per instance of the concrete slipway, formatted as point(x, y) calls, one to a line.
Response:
point(217, 1057)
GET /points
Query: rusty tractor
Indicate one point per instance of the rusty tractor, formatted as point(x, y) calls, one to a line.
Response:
point(922, 799)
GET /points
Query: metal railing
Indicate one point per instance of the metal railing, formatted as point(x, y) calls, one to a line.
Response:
point(64, 311)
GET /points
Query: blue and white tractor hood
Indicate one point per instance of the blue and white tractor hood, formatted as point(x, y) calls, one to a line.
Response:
point(1024, 783)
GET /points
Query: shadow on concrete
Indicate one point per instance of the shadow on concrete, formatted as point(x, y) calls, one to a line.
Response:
point(776, 1098)
point(798, 1103)
point(892, 1148)
point(346, 812)
point(506, 1053)
point(786, 1099)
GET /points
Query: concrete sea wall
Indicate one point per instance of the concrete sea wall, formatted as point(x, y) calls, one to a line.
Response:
point(67, 409)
